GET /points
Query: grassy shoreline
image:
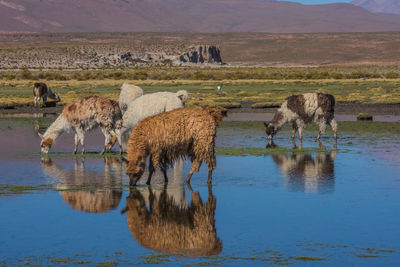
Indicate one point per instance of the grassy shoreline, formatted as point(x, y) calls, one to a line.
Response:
point(261, 93)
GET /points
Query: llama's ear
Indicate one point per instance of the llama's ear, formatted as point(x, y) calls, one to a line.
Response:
point(265, 124)
point(41, 136)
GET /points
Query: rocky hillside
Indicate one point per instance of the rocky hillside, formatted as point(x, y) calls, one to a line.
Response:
point(379, 6)
point(189, 16)
point(202, 54)
point(95, 50)
point(107, 55)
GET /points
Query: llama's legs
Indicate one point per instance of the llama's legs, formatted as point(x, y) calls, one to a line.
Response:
point(44, 100)
point(211, 167)
point(294, 130)
point(321, 145)
point(322, 128)
point(81, 137)
point(195, 168)
point(196, 199)
point(151, 171)
point(210, 170)
point(118, 134)
point(164, 170)
point(107, 140)
point(300, 134)
point(294, 146)
point(124, 137)
point(334, 126)
point(76, 143)
point(300, 125)
point(83, 144)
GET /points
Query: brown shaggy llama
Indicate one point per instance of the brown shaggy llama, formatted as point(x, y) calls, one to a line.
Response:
point(170, 228)
point(41, 90)
point(82, 115)
point(168, 136)
point(302, 109)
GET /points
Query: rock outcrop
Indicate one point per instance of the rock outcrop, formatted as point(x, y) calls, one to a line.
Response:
point(202, 54)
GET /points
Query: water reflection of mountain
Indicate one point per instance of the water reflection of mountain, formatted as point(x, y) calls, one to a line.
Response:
point(88, 190)
point(308, 173)
point(169, 227)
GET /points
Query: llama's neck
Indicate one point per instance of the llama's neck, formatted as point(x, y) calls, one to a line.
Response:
point(50, 94)
point(59, 126)
point(279, 120)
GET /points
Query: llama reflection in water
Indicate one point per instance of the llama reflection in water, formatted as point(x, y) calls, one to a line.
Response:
point(168, 227)
point(307, 172)
point(97, 197)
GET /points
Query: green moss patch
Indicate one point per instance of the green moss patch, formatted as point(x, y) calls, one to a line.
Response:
point(307, 258)
point(21, 189)
point(254, 151)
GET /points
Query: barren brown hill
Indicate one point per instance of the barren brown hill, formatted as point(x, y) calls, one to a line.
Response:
point(89, 15)
point(72, 50)
point(188, 16)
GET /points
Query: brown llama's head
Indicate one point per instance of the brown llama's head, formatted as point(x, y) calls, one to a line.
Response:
point(270, 130)
point(45, 144)
point(113, 140)
point(136, 166)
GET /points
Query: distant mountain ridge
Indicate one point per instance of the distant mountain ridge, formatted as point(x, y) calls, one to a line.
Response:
point(188, 16)
point(379, 6)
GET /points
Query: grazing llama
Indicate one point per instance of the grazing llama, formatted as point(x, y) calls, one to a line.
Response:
point(302, 109)
point(168, 136)
point(82, 115)
point(41, 90)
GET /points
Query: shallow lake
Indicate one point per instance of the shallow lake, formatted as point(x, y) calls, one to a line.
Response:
point(322, 204)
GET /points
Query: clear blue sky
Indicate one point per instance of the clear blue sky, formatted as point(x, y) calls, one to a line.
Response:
point(314, 2)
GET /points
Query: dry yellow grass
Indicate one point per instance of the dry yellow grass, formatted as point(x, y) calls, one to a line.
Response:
point(261, 93)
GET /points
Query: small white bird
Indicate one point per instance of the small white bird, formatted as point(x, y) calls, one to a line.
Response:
point(219, 87)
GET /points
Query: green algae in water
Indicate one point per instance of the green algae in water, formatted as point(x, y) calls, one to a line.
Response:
point(347, 127)
point(107, 264)
point(60, 260)
point(21, 189)
point(156, 259)
point(308, 258)
point(366, 256)
point(255, 151)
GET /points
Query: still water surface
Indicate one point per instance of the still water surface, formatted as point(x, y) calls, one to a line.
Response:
point(330, 207)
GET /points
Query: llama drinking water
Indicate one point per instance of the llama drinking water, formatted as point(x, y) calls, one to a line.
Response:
point(168, 136)
point(302, 109)
point(82, 115)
